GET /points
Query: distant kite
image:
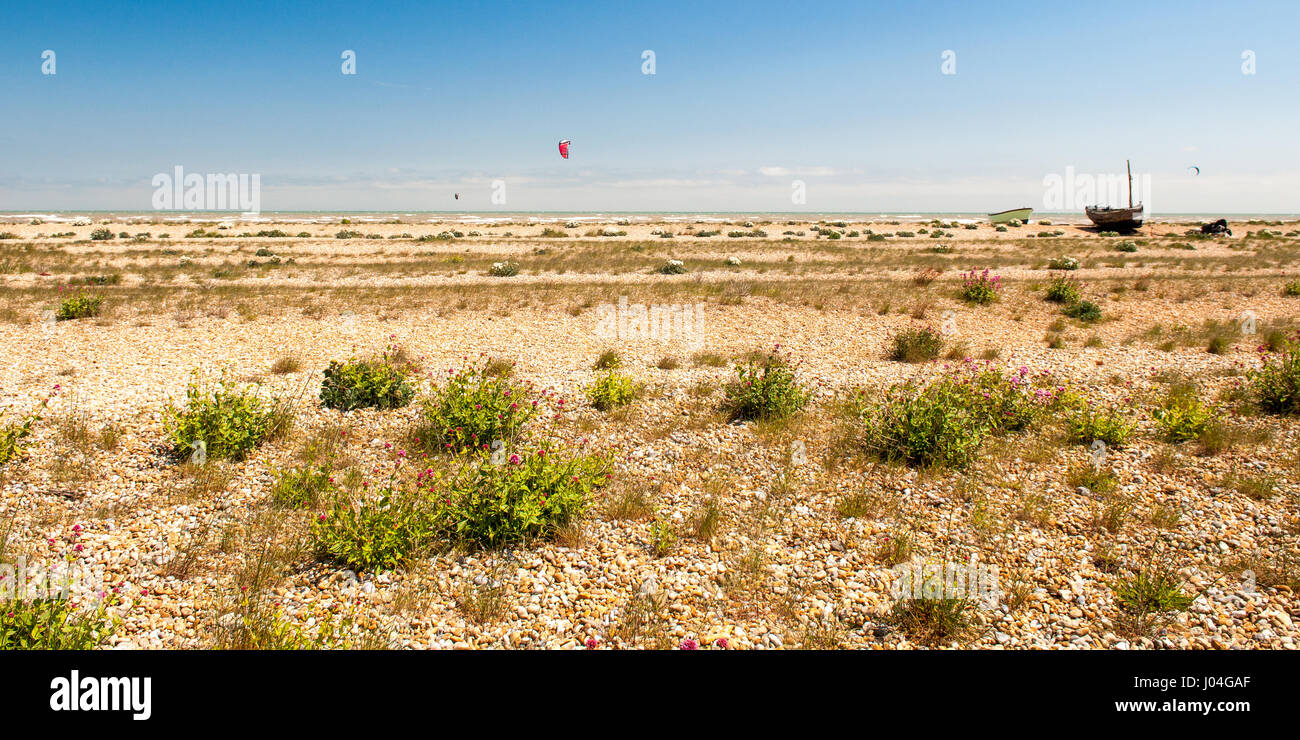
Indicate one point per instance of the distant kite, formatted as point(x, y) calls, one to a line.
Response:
point(564, 148)
point(1198, 169)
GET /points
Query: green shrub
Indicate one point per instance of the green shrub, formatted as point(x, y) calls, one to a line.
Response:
point(1181, 416)
point(1219, 344)
point(379, 383)
point(1064, 289)
point(101, 235)
point(1087, 423)
point(474, 409)
point(1276, 383)
point(673, 267)
point(1063, 263)
point(663, 537)
point(301, 487)
point(80, 306)
point(611, 390)
point(504, 269)
point(227, 419)
point(1291, 289)
point(980, 288)
point(923, 427)
point(52, 624)
point(1085, 311)
point(12, 435)
point(1006, 403)
point(550, 233)
point(1126, 246)
point(348, 234)
point(944, 422)
point(528, 496)
point(379, 533)
point(916, 344)
point(766, 388)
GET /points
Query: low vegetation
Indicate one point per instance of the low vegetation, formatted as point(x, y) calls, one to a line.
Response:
point(765, 389)
point(380, 383)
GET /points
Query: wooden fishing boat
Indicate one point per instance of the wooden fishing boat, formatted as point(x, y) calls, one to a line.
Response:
point(1016, 214)
point(1118, 219)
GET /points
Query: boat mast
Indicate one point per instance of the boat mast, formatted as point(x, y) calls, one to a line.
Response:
point(1129, 165)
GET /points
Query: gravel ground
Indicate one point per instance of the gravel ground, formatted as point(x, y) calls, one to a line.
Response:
point(784, 569)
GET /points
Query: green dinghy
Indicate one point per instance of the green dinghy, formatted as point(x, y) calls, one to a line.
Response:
point(1002, 217)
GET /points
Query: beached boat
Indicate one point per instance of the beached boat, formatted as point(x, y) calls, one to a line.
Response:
point(1118, 219)
point(1016, 214)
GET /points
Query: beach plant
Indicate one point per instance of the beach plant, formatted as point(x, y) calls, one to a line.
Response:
point(1291, 289)
point(1126, 246)
point(1085, 423)
point(611, 390)
point(663, 537)
point(1276, 383)
point(504, 269)
point(935, 620)
point(100, 235)
point(1009, 402)
point(765, 389)
point(943, 423)
point(673, 267)
point(1063, 263)
point(381, 532)
point(1064, 289)
point(1085, 311)
point(381, 383)
point(1150, 593)
point(228, 420)
point(980, 288)
point(348, 234)
point(530, 495)
point(302, 487)
point(1181, 416)
point(474, 409)
point(13, 433)
point(607, 360)
point(53, 624)
point(923, 427)
point(82, 305)
point(916, 344)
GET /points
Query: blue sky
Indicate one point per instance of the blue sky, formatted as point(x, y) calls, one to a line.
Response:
point(747, 97)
